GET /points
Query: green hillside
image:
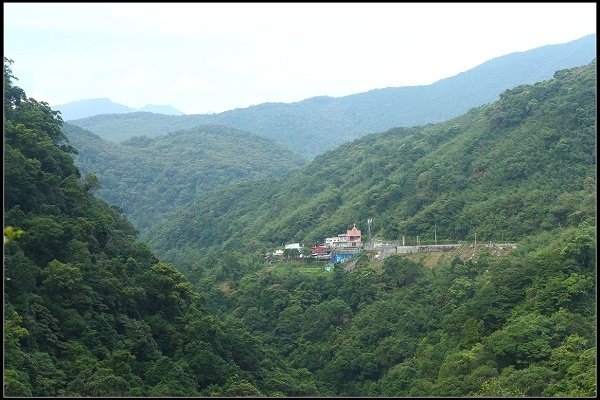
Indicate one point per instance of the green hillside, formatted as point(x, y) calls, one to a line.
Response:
point(522, 165)
point(521, 325)
point(147, 178)
point(313, 126)
point(88, 310)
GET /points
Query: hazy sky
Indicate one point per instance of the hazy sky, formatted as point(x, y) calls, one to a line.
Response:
point(212, 57)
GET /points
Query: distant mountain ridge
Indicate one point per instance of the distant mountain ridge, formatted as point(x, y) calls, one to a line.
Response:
point(317, 124)
point(91, 107)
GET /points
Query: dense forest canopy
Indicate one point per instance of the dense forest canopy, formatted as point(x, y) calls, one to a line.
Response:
point(90, 311)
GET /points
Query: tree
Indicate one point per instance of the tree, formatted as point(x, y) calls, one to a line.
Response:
point(523, 340)
point(11, 234)
point(320, 319)
point(400, 271)
point(291, 253)
point(65, 284)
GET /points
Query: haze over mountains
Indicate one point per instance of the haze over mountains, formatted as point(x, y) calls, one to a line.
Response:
point(314, 125)
point(90, 107)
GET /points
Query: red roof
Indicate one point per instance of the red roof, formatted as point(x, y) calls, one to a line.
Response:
point(353, 232)
point(319, 249)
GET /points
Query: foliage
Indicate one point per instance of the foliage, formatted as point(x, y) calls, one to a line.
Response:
point(395, 328)
point(91, 312)
point(11, 234)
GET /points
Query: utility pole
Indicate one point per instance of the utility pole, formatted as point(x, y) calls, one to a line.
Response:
point(369, 221)
point(435, 235)
point(403, 240)
point(417, 240)
point(475, 239)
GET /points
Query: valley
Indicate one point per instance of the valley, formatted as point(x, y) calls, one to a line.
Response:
point(352, 247)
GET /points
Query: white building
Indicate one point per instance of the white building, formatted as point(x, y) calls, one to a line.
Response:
point(332, 241)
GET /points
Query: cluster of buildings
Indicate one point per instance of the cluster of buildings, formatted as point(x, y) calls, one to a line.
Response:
point(335, 249)
point(349, 240)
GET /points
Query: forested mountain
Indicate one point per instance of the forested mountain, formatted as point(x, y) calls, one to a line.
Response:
point(88, 310)
point(518, 326)
point(312, 126)
point(521, 168)
point(90, 107)
point(516, 167)
point(150, 177)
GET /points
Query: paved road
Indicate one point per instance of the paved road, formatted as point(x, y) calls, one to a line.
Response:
point(385, 250)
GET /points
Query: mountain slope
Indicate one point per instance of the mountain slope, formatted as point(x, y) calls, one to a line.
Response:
point(519, 325)
point(150, 177)
point(315, 125)
point(521, 165)
point(91, 312)
point(480, 325)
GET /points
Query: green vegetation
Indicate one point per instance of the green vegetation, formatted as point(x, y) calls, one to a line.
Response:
point(88, 310)
point(520, 169)
point(148, 178)
point(520, 166)
point(318, 124)
point(519, 325)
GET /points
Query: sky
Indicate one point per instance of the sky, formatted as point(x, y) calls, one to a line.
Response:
point(213, 57)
